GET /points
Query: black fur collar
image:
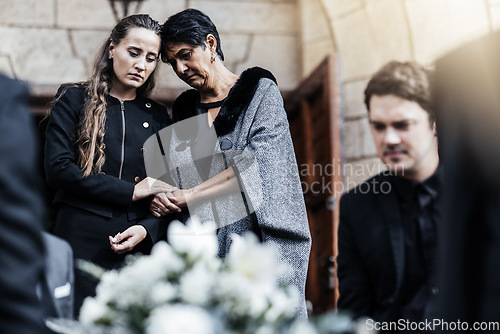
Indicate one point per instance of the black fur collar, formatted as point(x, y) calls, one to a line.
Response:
point(237, 101)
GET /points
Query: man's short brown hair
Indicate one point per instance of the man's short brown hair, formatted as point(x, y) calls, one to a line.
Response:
point(407, 80)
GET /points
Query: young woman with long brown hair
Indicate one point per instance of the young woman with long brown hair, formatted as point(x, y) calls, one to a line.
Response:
point(94, 151)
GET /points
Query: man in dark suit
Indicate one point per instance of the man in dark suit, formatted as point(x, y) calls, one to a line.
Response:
point(467, 105)
point(388, 224)
point(21, 246)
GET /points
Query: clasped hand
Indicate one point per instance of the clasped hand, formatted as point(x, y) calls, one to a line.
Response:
point(169, 202)
point(150, 186)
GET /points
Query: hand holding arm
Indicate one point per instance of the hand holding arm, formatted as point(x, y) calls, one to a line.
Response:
point(163, 204)
point(150, 186)
point(223, 183)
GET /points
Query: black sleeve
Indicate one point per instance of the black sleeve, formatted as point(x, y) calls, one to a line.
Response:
point(156, 227)
point(356, 293)
point(61, 166)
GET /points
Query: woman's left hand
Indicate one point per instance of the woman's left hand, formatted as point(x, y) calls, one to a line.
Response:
point(150, 186)
point(127, 240)
point(182, 196)
point(163, 204)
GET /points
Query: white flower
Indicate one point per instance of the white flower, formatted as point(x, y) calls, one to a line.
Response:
point(283, 304)
point(337, 323)
point(253, 259)
point(90, 268)
point(212, 264)
point(180, 319)
point(195, 285)
point(127, 287)
point(132, 286)
point(106, 287)
point(302, 327)
point(246, 286)
point(184, 288)
point(266, 329)
point(240, 296)
point(93, 310)
point(193, 238)
point(163, 292)
point(163, 255)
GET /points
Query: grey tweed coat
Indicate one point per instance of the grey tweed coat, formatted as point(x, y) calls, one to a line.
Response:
point(250, 133)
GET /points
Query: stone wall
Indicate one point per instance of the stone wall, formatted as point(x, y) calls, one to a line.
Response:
point(368, 33)
point(48, 42)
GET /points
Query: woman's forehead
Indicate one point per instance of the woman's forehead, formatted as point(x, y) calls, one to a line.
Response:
point(141, 37)
point(175, 47)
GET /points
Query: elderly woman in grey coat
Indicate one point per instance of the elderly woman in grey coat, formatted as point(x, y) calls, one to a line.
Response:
point(229, 152)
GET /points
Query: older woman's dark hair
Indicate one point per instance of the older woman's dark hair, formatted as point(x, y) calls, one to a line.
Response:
point(191, 27)
point(407, 80)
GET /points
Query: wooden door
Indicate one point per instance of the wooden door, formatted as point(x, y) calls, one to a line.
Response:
point(315, 123)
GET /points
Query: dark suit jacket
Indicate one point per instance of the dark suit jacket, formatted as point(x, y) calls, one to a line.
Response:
point(467, 105)
point(58, 281)
point(21, 214)
point(371, 250)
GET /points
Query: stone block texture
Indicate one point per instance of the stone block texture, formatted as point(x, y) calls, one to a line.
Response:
point(366, 34)
point(48, 42)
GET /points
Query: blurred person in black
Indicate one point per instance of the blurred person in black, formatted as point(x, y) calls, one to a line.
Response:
point(387, 250)
point(467, 104)
point(21, 214)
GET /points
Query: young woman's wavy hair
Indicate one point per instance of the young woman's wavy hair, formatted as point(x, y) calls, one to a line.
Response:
point(90, 141)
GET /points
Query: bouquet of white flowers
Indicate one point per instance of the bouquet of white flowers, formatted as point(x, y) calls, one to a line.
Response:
point(184, 288)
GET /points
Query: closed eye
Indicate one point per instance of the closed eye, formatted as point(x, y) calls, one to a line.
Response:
point(377, 126)
point(186, 55)
point(151, 59)
point(404, 125)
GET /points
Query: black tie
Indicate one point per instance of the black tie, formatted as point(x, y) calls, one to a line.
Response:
point(428, 232)
point(426, 225)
